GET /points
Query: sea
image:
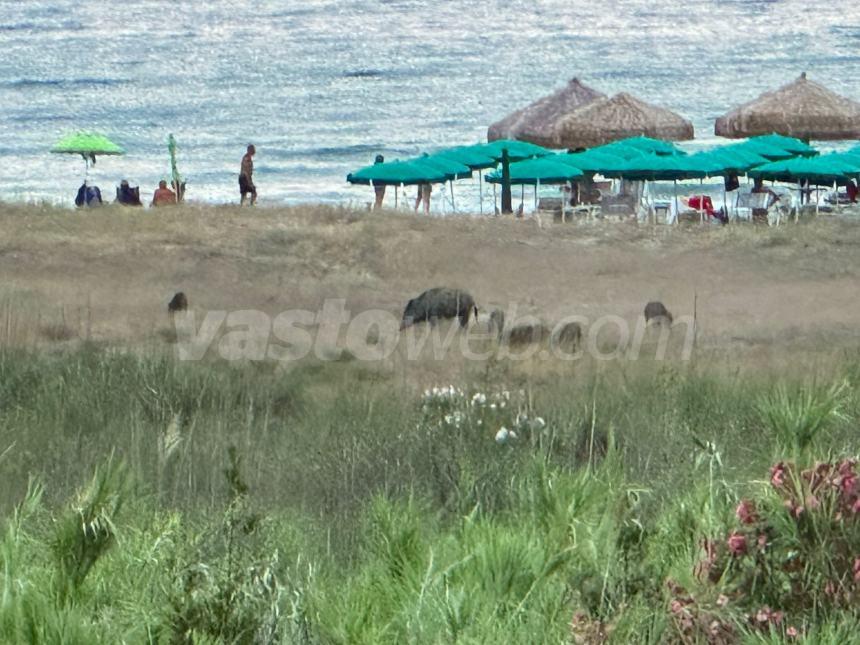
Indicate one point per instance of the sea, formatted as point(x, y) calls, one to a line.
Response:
point(322, 86)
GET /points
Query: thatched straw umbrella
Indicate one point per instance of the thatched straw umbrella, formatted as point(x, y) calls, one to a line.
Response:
point(802, 109)
point(619, 117)
point(536, 122)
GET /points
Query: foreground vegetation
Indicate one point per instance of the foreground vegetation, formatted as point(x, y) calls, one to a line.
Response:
point(148, 501)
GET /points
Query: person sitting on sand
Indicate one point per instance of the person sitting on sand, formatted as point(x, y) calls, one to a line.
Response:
point(163, 196)
point(424, 191)
point(126, 195)
point(88, 196)
point(246, 177)
point(379, 189)
point(759, 187)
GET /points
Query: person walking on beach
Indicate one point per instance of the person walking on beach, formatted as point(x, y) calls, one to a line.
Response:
point(246, 176)
point(379, 189)
point(424, 191)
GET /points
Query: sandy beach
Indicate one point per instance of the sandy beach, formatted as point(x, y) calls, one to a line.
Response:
point(108, 275)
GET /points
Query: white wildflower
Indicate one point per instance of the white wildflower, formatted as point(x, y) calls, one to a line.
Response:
point(502, 435)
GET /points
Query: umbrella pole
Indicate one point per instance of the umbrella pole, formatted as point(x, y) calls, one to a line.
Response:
point(495, 201)
point(836, 192)
point(480, 193)
point(675, 192)
point(799, 202)
point(453, 207)
point(395, 197)
point(725, 199)
point(564, 202)
point(537, 188)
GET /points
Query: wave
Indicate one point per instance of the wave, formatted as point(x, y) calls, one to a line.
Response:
point(36, 27)
point(22, 83)
point(363, 73)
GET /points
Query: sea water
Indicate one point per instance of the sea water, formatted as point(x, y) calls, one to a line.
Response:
point(323, 86)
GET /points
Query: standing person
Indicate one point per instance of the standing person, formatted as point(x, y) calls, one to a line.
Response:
point(379, 189)
point(246, 176)
point(424, 191)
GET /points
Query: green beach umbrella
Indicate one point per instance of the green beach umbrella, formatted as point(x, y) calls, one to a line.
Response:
point(590, 161)
point(517, 150)
point(712, 165)
point(735, 159)
point(618, 149)
point(474, 158)
point(454, 169)
point(469, 156)
point(538, 171)
point(648, 144)
point(87, 144)
point(398, 173)
point(848, 157)
point(827, 168)
point(534, 172)
point(762, 149)
point(487, 155)
point(653, 167)
point(789, 144)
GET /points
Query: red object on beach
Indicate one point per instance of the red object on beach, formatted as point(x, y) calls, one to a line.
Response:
point(702, 203)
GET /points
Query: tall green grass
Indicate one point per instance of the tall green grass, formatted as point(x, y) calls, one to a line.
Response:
point(332, 503)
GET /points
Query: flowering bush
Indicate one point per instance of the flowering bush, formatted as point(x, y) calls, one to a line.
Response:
point(452, 408)
point(795, 550)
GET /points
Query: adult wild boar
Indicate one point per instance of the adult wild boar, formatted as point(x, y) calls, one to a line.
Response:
point(439, 303)
point(179, 302)
point(657, 312)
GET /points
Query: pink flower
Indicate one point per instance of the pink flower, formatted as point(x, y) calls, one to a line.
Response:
point(745, 512)
point(791, 632)
point(856, 507)
point(762, 540)
point(848, 484)
point(777, 475)
point(812, 502)
point(856, 569)
point(763, 615)
point(737, 543)
point(846, 467)
point(794, 508)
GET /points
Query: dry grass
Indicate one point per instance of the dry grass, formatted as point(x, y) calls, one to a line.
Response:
point(760, 292)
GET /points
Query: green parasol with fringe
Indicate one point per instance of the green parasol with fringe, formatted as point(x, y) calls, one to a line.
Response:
point(87, 144)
